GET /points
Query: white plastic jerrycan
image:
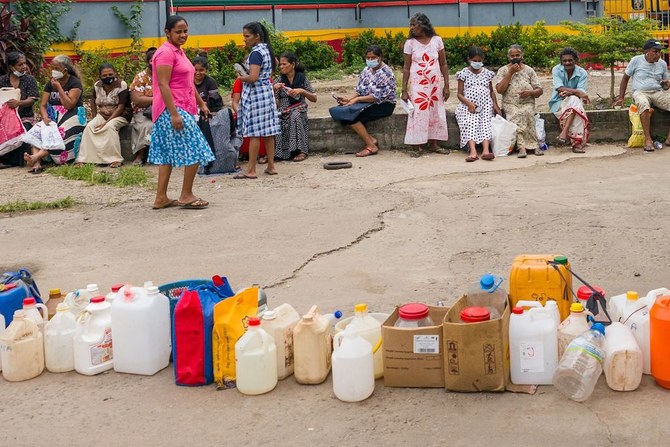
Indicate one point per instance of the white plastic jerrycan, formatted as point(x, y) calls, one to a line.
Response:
point(651, 296)
point(572, 327)
point(141, 328)
point(533, 346)
point(623, 358)
point(279, 323)
point(37, 312)
point(21, 349)
point(617, 305)
point(635, 316)
point(255, 360)
point(2, 329)
point(353, 367)
point(78, 299)
point(59, 335)
point(93, 341)
point(370, 329)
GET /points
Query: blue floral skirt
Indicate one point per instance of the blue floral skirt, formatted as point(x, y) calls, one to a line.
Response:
point(178, 148)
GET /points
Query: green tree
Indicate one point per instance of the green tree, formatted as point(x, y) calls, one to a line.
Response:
point(608, 40)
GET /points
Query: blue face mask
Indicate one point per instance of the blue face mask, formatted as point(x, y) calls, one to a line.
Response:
point(372, 63)
point(476, 65)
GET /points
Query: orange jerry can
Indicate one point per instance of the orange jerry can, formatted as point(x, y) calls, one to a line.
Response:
point(534, 278)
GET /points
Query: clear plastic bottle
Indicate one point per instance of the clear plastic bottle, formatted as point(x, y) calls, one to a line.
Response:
point(487, 292)
point(333, 319)
point(581, 365)
point(414, 315)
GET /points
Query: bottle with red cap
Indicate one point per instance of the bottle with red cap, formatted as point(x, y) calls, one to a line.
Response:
point(255, 360)
point(93, 341)
point(37, 312)
point(414, 315)
point(111, 296)
point(475, 314)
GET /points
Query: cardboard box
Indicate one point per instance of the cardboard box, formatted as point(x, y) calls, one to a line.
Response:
point(413, 357)
point(476, 354)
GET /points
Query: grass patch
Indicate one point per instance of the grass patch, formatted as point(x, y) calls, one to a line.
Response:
point(334, 73)
point(124, 176)
point(22, 205)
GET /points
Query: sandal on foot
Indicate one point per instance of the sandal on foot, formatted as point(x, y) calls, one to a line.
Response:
point(168, 204)
point(116, 164)
point(560, 141)
point(579, 149)
point(488, 156)
point(263, 160)
point(244, 177)
point(196, 204)
point(522, 154)
point(470, 159)
point(539, 152)
point(366, 152)
point(36, 170)
point(300, 157)
point(268, 172)
point(438, 150)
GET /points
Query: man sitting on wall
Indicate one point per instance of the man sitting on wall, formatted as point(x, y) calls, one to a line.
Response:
point(650, 82)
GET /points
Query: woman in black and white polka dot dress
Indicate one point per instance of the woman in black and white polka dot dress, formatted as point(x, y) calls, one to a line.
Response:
point(477, 104)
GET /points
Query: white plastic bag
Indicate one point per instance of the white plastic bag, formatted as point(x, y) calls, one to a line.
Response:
point(503, 136)
point(539, 129)
point(51, 138)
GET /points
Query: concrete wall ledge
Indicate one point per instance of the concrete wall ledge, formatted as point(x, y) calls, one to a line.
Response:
point(326, 135)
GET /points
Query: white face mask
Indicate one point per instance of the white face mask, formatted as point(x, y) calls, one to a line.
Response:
point(18, 74)
point(476, 65)
point(56, 74)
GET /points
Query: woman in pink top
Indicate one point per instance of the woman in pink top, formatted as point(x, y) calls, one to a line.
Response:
point(176, 139)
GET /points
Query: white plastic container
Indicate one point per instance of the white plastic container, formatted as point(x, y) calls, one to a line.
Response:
point(353, 366)
point(572, 327)
point(111, 296)
point(93, 352)
point(488, 292)
point(623, 358)
point(78, 299)
point(37, 312)
point(312, 348)
point(651, 296)
point(617, 304)
point(533, 346)
point(255, 360)
point(636, 317)
point(59, 335)
point(21, 349)
point(370, 329)
point(279, 323)
point(581, 365)
point(552, 307)
point(2, 329)
point(141, 328)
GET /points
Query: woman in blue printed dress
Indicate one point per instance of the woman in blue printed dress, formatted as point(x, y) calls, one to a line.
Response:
point(258, 116)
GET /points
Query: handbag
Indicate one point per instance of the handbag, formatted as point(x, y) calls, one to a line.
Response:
point(11, 129)
point(348, 113)
point(147, 113)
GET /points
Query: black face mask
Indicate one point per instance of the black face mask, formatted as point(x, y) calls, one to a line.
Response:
point(516, 60)
point(108, 81)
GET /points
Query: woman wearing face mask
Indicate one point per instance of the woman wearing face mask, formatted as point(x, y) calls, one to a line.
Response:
point(17, 77)
point(375, 90)
point(424, 69)
point(176, 140)
point(141, 96)
point(291, 91)
point(109, 107)
point(519, 86)
point(257, 116)
point(477, 104)
point(62, 104)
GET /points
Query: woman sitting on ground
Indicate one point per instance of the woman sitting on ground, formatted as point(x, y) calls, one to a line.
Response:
point(291, 91)
point(109, 105)
point(570, 83)
point(17, 77)
point(375, 98)
point(519, 86)
point(141, 96)
point(61, 103)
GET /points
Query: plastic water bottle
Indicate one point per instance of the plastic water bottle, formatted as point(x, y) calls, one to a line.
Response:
point(487, 292)
point(333, 319)
point(581, 365)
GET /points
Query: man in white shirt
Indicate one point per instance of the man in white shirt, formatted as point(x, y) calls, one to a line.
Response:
point(650, 85)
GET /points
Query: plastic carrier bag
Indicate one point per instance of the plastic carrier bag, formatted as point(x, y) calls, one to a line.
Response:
point(503, 136)
point(637, 133)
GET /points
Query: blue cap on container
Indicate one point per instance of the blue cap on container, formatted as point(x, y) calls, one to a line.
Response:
point(598, 327)
point(487, 281)
point(338, 314)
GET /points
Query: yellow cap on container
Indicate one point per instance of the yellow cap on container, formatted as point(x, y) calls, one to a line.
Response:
point(631, 295)
point(54, 292)
point(576, 307)
point(361, 308)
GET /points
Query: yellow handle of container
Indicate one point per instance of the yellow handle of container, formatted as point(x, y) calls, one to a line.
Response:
point(377, 346)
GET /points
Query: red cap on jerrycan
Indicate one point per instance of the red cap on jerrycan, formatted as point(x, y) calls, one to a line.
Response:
point(29, 301)
point(254, 321)
point(517, 310)
point(98, 299)
point(583, 293)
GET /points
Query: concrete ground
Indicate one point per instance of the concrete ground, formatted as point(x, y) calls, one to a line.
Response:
point(391, 230)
